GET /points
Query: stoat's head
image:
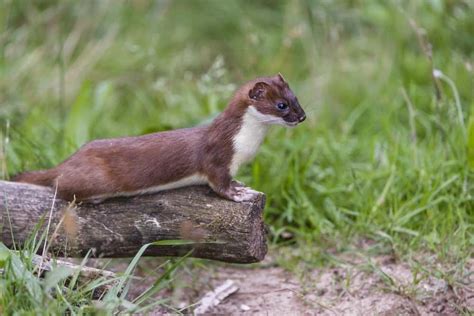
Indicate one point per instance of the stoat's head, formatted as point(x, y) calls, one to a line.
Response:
point(271, 101)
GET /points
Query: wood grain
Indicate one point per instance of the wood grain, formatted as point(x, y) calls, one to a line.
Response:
point(221, 230)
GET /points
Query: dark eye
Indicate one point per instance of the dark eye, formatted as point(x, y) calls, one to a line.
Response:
point(282, 106)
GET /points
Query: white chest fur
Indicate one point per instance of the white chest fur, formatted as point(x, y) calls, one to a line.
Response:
point(249, 138)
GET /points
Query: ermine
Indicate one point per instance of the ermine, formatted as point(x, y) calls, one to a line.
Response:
point(209, 154)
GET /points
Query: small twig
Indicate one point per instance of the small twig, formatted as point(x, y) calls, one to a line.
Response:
point(213, 298)
point(86, 274)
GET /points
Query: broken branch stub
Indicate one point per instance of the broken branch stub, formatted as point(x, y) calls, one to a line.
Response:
point(220, 229)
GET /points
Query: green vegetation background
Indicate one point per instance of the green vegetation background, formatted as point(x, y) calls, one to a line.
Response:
point(383, 155)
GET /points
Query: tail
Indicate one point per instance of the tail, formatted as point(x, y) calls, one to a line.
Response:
point(41, 177)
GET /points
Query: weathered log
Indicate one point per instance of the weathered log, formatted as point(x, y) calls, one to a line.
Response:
point(119, 227)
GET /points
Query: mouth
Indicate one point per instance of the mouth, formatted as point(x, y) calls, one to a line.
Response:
point(291, 124)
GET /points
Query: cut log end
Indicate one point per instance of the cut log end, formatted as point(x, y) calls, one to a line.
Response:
point(220, 229)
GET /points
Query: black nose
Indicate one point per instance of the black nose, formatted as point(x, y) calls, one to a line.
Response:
point(302, 118)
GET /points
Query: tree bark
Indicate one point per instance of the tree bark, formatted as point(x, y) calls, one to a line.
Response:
point(119, 227)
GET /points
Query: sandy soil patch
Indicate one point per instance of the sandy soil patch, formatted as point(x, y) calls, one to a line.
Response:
point(381, 286)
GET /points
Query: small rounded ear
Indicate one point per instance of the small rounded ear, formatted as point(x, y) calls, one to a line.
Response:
point(258, 91)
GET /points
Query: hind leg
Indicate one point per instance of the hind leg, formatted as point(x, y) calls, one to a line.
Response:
point(87, 186)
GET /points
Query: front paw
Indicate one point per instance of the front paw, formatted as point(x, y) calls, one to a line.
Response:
point(237, 192)
point(244, 194)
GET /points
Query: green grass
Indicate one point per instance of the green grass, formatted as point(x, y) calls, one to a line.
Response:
point(386, 153)
point(27, 288)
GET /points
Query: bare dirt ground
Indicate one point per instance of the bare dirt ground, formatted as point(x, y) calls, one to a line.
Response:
point(379, 286)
